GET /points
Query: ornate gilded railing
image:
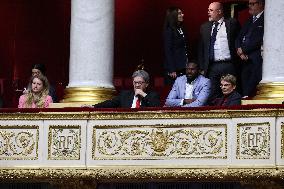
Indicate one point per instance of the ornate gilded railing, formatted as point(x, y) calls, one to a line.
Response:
point(218, 144)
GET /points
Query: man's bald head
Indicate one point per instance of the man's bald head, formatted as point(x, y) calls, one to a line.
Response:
point(215, 11)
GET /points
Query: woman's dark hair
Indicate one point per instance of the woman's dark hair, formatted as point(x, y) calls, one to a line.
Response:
point(171, 20)
point(40, 67)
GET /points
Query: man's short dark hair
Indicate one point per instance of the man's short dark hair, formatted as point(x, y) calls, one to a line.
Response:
point(193, 62)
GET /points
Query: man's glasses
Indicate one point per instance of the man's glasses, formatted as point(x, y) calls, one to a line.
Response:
point(252, 3)
point(138, 82)
point(225, 85)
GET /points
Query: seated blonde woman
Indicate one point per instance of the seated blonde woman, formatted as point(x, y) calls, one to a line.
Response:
point(37, 95)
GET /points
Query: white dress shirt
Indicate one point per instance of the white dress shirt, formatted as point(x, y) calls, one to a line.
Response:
point(221, 46)
point(188, 91)
point(135, 98)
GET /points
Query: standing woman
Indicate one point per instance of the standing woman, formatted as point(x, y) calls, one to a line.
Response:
point(175, 45)
point(37, 95)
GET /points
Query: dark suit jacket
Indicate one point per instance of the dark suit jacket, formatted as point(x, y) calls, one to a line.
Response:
point(1, 102)
point(125, 99)
point(232, 29)
point(253, 34)
point(176, 51)
point(52, 93)
point(233, 99)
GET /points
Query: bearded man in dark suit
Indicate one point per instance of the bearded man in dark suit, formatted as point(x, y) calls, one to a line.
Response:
point(139, 97)
point(217, 53)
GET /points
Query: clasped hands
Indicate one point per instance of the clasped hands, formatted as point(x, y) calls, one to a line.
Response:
point(140, 92)
point(188, 101)
point(241, 54)
point(173, 74)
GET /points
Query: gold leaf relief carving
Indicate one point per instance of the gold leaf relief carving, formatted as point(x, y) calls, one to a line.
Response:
point(282, 140)
point(159, 143)
point(159, 140)
point(253, 141)
point(64, 142)
point(19, 143)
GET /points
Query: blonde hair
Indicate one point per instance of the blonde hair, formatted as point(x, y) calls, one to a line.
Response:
point(39, 98)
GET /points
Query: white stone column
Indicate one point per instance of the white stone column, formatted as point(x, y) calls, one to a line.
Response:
point(272, 85)
point(91, 50)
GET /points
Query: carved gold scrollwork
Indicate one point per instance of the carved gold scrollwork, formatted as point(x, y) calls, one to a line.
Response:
point(159, 143)
point(19, 142)
point(282, 140)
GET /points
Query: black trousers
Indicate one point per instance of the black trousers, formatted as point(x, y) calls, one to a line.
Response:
point(215, 72)
point(251, 75)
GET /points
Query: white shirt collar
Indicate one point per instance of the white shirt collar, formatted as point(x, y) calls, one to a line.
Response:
point(221, 20)
point(257, 16)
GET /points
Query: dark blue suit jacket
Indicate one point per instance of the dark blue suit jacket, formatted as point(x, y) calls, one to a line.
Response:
point(250, 38)
point(176, 51)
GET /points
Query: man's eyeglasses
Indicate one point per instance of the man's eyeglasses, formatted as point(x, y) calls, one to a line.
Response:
point(225, 85)
point(138, 82)
point(252, 3)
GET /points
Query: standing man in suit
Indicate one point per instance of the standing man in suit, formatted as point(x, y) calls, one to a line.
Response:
point(137, 98)
point(248, 46)
point(190, 90)
point(217, 54)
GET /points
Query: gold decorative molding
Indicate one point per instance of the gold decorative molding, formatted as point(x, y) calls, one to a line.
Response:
point(144, 173)
point(220, 114)
point(45, 116)
point(88, 94)
point(270, 91)
point(159, 114)
point(64, 142)
point(253, 140)
point(19, 142)
point(254, 113)
point(282, 140)
point(147, 142)
point(280, 113)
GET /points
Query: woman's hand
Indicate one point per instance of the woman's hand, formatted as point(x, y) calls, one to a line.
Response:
point(25, 91)
point(173, 75)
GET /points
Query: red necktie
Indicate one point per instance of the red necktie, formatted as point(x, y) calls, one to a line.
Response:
point(138, 103)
